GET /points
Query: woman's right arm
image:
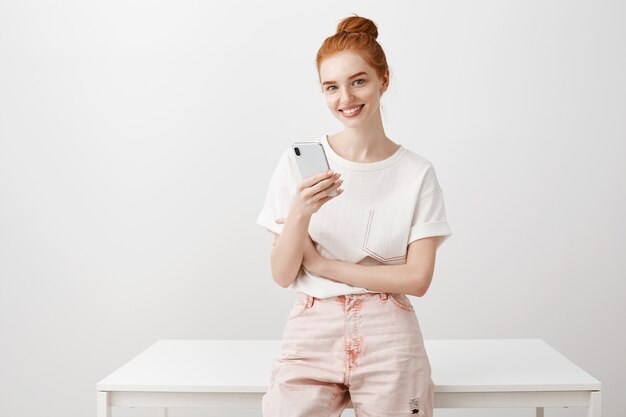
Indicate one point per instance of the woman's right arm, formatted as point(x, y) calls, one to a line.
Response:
point(288, 248)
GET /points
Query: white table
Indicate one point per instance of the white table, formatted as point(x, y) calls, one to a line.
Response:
point(235, 374)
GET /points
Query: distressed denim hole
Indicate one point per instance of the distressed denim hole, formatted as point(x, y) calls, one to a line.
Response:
point(414, 405)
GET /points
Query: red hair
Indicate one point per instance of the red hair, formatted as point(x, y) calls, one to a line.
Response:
point(357, 34)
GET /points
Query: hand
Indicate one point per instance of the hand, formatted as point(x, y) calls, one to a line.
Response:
point(313, 192)
point(311, 260)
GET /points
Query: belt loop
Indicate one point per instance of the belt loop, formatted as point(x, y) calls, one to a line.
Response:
point(384, 295)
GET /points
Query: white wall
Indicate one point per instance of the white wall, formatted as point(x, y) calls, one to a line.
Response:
point(137, 139)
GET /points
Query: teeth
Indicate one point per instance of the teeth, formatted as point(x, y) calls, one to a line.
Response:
point(353, 109)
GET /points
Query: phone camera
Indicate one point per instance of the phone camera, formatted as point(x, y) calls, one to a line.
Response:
point(297, 151)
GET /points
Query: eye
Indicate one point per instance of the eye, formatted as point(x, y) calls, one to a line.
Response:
point(328, 88)
point(360, 79)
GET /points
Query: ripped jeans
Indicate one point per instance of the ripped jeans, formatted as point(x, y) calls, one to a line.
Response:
point(367, 348)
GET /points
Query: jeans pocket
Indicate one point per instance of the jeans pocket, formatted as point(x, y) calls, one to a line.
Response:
point(380, 242)
point(299, 306)
point(401, 301)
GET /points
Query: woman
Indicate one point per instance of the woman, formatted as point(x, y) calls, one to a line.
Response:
point(352, 333)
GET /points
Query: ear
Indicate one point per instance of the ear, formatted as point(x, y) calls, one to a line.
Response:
point(385, 81)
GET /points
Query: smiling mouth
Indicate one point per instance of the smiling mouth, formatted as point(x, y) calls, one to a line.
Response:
point(353, 111)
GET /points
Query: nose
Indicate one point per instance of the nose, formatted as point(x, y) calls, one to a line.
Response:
point(346, 97)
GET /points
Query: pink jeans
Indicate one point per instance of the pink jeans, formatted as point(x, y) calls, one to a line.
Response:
point(367, 348)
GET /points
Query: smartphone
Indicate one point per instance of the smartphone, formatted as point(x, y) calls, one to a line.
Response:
point(311, 159)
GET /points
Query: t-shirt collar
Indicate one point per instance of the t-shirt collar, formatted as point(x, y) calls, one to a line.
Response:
point(361, 166)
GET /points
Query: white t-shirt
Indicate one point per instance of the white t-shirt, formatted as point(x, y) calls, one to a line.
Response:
point(385, 206)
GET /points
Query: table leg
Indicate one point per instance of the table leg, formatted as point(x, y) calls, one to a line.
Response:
point(161, 412)
point(104, 410)
point(539, 412)
point(594, 404)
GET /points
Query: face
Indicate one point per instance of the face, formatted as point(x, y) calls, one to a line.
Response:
point(344, 90)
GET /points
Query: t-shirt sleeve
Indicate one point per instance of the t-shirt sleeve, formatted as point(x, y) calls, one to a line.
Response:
point(278, 197)
point(429, 217)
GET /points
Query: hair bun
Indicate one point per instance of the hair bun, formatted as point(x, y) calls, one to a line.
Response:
point(355, 24)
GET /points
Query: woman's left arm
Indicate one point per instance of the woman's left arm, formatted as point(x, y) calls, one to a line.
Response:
point(412, 278)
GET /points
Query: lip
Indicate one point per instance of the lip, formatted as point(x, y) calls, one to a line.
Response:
point(353, 114)
point(349, 107)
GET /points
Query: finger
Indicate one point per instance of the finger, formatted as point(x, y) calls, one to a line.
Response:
point(321, 186)
point(317, 178)
point(324, 200)
point(280, 221)
point(326, 192)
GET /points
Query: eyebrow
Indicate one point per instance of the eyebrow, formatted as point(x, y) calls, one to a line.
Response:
point(351, 77)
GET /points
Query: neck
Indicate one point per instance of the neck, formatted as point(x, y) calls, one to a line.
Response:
point(365, 143)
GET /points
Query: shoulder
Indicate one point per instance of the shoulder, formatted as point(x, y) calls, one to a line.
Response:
point(417, 162)
point(287, 168)
point(420, 171)
point(285, 158)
